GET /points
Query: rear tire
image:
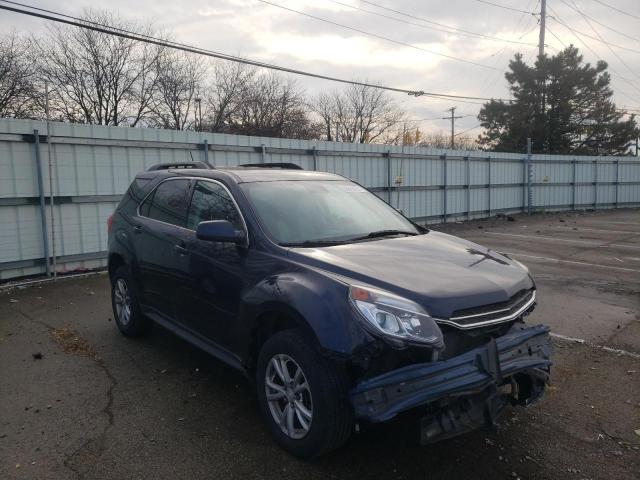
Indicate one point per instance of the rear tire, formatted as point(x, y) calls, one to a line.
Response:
point(315, 403)
point(124, 302)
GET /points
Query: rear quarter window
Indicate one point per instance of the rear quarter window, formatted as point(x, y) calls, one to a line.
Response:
point(133, 196)
point(137, 190)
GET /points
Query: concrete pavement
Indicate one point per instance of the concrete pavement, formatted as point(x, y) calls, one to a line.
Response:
point(98, 405)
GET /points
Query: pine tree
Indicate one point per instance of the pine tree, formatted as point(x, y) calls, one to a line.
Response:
point(563, 104)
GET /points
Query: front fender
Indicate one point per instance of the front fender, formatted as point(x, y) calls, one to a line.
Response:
point(315, 299)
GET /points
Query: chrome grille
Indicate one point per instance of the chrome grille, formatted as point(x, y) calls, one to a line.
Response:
point(493, 313)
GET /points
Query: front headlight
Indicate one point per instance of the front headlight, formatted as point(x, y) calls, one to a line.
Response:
point(396, 317)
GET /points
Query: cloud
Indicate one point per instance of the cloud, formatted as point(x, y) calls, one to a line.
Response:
point(256, 30)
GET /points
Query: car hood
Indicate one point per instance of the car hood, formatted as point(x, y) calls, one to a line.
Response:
point(441, 272)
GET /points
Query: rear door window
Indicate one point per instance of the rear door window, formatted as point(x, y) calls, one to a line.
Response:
point(211, 201)
point(168, 203)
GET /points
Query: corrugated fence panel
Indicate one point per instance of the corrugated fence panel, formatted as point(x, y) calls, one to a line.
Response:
point(629, 172)
point(94, 165)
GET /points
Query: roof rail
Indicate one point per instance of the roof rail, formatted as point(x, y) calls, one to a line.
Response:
point(178, 165)
point(285, 166)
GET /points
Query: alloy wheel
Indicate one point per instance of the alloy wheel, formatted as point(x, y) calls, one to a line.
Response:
point(289, 396)
point(122, 301)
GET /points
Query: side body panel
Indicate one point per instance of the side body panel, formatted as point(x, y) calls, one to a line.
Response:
point(215, 274)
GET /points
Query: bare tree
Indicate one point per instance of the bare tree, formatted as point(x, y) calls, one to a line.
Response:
point(96, 77)
point(324, 105)
point(442, 140)
point(145, 87)
point(274, 107)
point(225, 95)
point(18, 89)
point(360, 114)
point(180, 76)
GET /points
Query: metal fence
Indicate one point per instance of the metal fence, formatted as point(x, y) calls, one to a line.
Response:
point(92, 166)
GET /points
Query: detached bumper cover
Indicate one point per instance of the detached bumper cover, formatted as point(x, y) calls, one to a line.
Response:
point(525, 351)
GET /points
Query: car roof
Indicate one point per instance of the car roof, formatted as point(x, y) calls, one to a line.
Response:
point(257, 174)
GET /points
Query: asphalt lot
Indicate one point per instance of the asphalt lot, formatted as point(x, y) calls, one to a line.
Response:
point(98, 405)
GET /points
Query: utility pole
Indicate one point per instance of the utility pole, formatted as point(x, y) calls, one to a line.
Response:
point(453, 119)
point(543, 23)
point(543, 93)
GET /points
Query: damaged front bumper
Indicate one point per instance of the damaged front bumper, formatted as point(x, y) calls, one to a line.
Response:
point(463, 392)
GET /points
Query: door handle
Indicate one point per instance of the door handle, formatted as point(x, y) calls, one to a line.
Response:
point(181, 248)
point(137, 229)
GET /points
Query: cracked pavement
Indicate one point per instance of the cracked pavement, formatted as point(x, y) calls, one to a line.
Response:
point(100, 406)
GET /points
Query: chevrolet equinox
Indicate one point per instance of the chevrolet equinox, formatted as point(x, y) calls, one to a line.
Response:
point(342, 310)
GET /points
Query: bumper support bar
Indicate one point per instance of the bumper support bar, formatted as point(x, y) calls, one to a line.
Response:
point(524, 351)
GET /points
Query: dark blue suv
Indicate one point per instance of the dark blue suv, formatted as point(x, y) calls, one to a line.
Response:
point(340, 308)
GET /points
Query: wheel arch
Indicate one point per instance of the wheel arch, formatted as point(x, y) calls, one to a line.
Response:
point(275, 317)
point(310, 301)
point(114, 262)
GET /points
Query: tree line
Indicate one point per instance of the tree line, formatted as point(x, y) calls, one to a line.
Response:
point(97, 78)
point(562, 103)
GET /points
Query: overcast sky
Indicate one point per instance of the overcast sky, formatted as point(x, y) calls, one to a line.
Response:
point(256, 30)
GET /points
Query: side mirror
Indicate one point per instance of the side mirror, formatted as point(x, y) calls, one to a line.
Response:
point(219, 231)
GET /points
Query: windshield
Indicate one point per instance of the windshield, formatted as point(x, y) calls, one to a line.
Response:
point(307, 212)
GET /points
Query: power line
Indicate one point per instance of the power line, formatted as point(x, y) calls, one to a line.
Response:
point(575, 8)
point(617, 9)
point(490, 75)
point(90, 25)
point(556, 37)
point(468, 130)
point(506, 7)
point(577, 34)
point(425, 119)
point(420, 25)
point(415, 17)
point(438, 118)
point(613, 52)
point(380, 37)
point(558, 20)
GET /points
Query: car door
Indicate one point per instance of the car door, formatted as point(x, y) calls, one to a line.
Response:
point(215, 269)
point(161, 227)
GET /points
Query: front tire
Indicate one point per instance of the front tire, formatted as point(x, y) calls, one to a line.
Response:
point(302, 396)
point(124, 302)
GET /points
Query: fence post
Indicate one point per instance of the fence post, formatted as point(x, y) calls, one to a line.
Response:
point(595, 185)
point(489, 186)
point(444, 189)
point(263, 153)
point(527, 177)
point(43, 213)
point(468, 188)
point(314, 152)
point(615, 203)
point(573, 183)
point(387, 154)
point(206, 152)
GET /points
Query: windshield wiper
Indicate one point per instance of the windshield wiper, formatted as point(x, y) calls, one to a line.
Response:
point(383, 233)
point(313, 243)
point(329, 243)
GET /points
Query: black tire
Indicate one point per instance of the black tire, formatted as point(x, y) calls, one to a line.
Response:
point(332, 420)
point(136, 324)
